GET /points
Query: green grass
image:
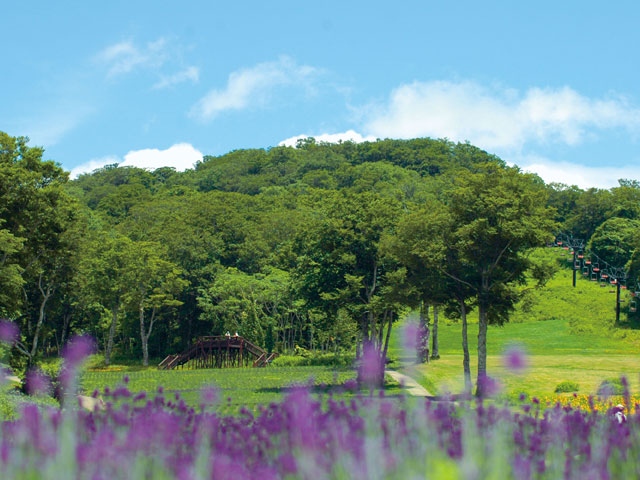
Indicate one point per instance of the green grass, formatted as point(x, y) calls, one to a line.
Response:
point(238, 387)
point(569, 334)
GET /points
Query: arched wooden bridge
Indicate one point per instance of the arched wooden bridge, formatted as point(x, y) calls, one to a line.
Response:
point(219, 352)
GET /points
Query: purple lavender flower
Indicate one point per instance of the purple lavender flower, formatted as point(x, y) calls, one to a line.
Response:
point(515, 359)
point(9, 331)
point(410, 336)
point(209, 396)
point(38, 383)
point(78, 348)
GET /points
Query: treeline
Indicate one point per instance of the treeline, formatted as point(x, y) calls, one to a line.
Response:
point(321, 246)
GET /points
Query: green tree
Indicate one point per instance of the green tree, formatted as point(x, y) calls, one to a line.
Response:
point(498, 215)
point(424, 244)
point(614, 241)
point(35, 214)
point(153, 285)
point(11, 280)
point(341, 268)
point(103, 273)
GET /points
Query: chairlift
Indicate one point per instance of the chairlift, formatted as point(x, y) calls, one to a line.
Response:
point(604, 279)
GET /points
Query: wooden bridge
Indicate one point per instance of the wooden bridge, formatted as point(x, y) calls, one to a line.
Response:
point(219, 352)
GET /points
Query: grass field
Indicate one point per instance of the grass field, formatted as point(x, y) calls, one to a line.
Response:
point(236, 387)
point(562, 359)
point(568, 334)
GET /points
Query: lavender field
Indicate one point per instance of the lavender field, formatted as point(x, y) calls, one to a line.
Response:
point(366, 436)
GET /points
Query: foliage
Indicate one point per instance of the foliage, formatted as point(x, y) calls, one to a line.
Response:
point(611, 386)
point(567, 386)
point(318, 359)
point(322, 246)
point(303, 437)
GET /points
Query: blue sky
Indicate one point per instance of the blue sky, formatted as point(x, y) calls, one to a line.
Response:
point(553, 87)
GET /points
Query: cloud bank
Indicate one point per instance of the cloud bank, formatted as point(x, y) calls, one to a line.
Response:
point(512, 124)
point(497, 119)
point(181, 156)
point(348, 136)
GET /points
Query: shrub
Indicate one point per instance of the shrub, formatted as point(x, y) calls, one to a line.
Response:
point(315, 360)
point(611, 386)
point(567, 387)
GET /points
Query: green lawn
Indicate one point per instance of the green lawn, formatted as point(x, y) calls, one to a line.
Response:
point(237, 387)
point(569, 333)
point(554, 354)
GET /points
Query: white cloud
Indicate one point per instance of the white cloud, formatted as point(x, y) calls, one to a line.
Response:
point(124, 57)
point(349, 135)
point(496, 119)
point(191, 74)
point(180, 156)
point(253, 86)
point(582, 176)
point(92, 165)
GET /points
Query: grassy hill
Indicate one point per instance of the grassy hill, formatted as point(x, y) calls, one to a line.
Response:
point(568, 334)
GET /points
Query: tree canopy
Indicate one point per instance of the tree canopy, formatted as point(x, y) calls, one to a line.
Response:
point(319, 246)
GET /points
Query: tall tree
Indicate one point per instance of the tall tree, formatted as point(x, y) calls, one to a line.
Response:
point(35, 213)
point(423, 243)
point(498, 215)
point(341, 267)
point(153, 284)
point(103, 273)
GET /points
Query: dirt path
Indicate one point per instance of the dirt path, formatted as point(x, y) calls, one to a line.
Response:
point(409, 384)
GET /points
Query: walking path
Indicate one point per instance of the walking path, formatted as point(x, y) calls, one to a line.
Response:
point(409, 384)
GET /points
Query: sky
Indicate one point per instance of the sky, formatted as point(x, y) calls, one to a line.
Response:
point(552, 87)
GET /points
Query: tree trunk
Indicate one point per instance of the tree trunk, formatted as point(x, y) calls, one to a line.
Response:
point(481, 381)
point(112, 334)
point(422, 343)
point(66, 321)
point(466, 365)
point(386, 343)
point(46, 295)
point(435, 351)
point(144, 334)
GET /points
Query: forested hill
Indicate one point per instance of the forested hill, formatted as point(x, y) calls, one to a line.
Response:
point(325, 166)
point(319, 246)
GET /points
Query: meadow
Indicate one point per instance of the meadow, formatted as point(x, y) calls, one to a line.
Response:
point(236, 388)
point(312, 422)
point(566, 333)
